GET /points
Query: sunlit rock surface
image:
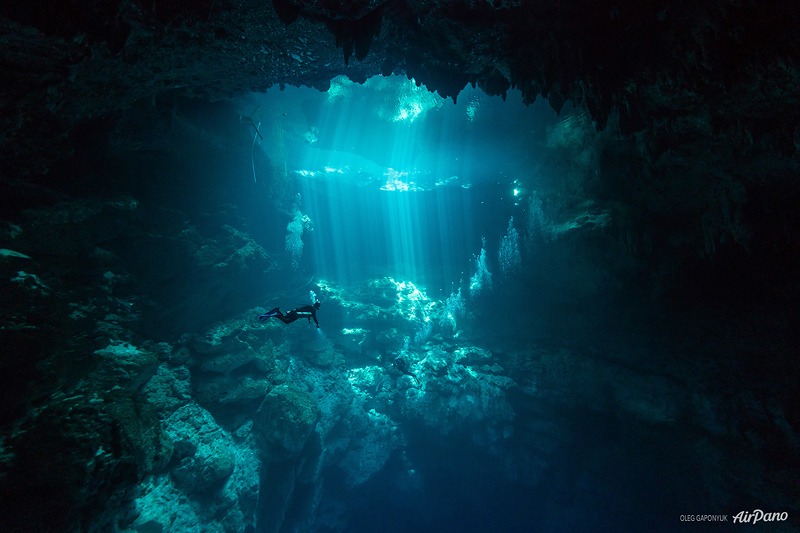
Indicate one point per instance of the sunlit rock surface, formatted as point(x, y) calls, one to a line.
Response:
point(285, 421)
point(279, 429)
point(175, 501)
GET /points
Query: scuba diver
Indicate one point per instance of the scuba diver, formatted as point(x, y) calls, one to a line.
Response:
point(304, 311)
point(402, 365)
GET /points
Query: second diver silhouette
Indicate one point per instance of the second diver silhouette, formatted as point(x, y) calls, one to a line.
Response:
point(402, 365)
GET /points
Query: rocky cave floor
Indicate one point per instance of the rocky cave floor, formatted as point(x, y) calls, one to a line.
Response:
point(252, 424)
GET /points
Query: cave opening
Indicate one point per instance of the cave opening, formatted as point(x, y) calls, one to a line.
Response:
point(389, 179)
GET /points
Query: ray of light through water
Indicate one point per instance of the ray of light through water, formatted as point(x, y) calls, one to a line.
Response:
point(392, 176)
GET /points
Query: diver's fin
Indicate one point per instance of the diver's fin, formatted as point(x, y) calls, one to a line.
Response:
point(269, 314)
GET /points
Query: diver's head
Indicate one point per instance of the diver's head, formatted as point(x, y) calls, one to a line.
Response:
point(316, 305)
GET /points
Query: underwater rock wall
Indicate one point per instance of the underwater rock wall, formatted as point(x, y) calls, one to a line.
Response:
point(89, 399)
point(248, 426)
point(134, 352)
point(318, 431)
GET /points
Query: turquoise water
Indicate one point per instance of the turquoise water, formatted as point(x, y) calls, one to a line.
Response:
point(499, 347)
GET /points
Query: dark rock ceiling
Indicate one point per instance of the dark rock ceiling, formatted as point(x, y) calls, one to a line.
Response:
point(732, 65)
point(707, 91)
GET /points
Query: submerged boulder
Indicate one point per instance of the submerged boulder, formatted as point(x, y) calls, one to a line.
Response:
point(284, 422)
point(203, 457)
point(168, 389)
point(163, 505)
point(127, 365)
point(375, 438)
point(77, 455)
point(462, 398)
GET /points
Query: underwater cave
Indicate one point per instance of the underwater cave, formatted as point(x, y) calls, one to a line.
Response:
point(398, 266)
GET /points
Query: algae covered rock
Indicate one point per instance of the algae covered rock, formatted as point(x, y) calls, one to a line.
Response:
point(163, 506)
point(284, 422)
point(77, 455)
point(375, 439)
point(168, 389)
point(127, 365)
point(203, 456)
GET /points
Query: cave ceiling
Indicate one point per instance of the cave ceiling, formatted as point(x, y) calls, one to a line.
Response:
point(667, 69)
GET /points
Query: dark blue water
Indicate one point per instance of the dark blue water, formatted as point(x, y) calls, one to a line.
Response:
point(564, 395)
point(613, 438)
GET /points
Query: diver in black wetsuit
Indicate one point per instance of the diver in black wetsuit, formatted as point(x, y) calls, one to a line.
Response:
point(304, 311)
point(402, 365)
